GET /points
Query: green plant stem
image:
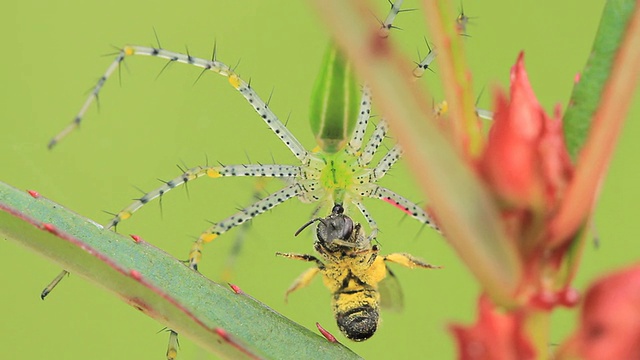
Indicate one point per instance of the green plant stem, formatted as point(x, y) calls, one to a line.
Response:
point(536, 327)
point(157, 284)
point(608, 118)
point(456, 76)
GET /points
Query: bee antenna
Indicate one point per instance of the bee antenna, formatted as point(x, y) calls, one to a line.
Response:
point(307, 224)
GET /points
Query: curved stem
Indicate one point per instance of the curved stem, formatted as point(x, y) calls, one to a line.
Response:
point(595, 155)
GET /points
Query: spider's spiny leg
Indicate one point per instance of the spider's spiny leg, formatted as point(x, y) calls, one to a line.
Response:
point(241, 234)
point(213, 65)
point(374, 142)
point(239, 218)
point(387, 24)
point(355, 144)
point(367, 216)
point(389, 159)
point(53, 284)
point(484, 113)
point(425, 62)
point(92, 97)
point(403, 204)
point(172, 347)
point(280, 171)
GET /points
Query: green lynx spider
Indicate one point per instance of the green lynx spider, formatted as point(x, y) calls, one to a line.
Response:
point(339, 172)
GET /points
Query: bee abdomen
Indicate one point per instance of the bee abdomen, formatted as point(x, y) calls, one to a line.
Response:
point(358, 324)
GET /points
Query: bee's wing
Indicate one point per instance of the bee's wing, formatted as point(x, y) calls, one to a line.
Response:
point(391, 297)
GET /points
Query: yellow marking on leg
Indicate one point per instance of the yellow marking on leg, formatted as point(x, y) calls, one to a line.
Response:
point(206, 238)
point(128, 50)
point(195, 254)
point(213, 173)
point(172, 348)
point(124, 215)
point(234, 80)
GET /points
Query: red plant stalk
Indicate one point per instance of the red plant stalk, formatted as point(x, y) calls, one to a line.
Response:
point(522, 229)
point(527, 169)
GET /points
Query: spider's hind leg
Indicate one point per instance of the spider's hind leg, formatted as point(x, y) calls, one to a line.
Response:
point(239, 218)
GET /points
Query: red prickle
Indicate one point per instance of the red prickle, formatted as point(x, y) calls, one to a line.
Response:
point(326, 333)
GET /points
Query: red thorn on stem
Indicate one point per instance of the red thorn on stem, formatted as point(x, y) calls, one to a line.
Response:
point(569, 297)
point(223, 333)
point(135, 274)
point(50, 228)
point(326, 334)
point(545, 300)
point(576, 79)
point(236, 289)
point(228, 338)
point(34, 193)
point(136, 238)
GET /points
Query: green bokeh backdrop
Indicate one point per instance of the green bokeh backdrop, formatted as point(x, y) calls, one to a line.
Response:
point(51, 55)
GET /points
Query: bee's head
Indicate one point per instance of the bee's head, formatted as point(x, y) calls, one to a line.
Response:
point(336, 226)
point(335, 231)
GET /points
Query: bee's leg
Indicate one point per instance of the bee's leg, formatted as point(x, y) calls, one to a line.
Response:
point(408, 260)
point(373, 251)
point(305, 278)
point(303, 257)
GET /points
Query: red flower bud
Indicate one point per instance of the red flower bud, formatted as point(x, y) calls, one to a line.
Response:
point(497, 335)
point(525, 161)
point(610, 320)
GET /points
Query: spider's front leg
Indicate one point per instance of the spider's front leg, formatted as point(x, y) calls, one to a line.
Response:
point(277, 171)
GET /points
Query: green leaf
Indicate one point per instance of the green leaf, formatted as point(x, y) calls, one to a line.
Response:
point(158, 284)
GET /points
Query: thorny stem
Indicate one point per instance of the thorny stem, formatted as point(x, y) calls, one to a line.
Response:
point(456, 76)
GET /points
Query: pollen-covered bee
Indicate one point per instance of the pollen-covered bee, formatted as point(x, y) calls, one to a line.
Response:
point(354, 273)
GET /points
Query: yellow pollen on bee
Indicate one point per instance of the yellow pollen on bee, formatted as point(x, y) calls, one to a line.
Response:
point(234, 80)
point(213, 173)
point(208, 237)
point(128, 50)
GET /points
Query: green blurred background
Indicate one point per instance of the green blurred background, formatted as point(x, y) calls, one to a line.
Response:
point(51, 55)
